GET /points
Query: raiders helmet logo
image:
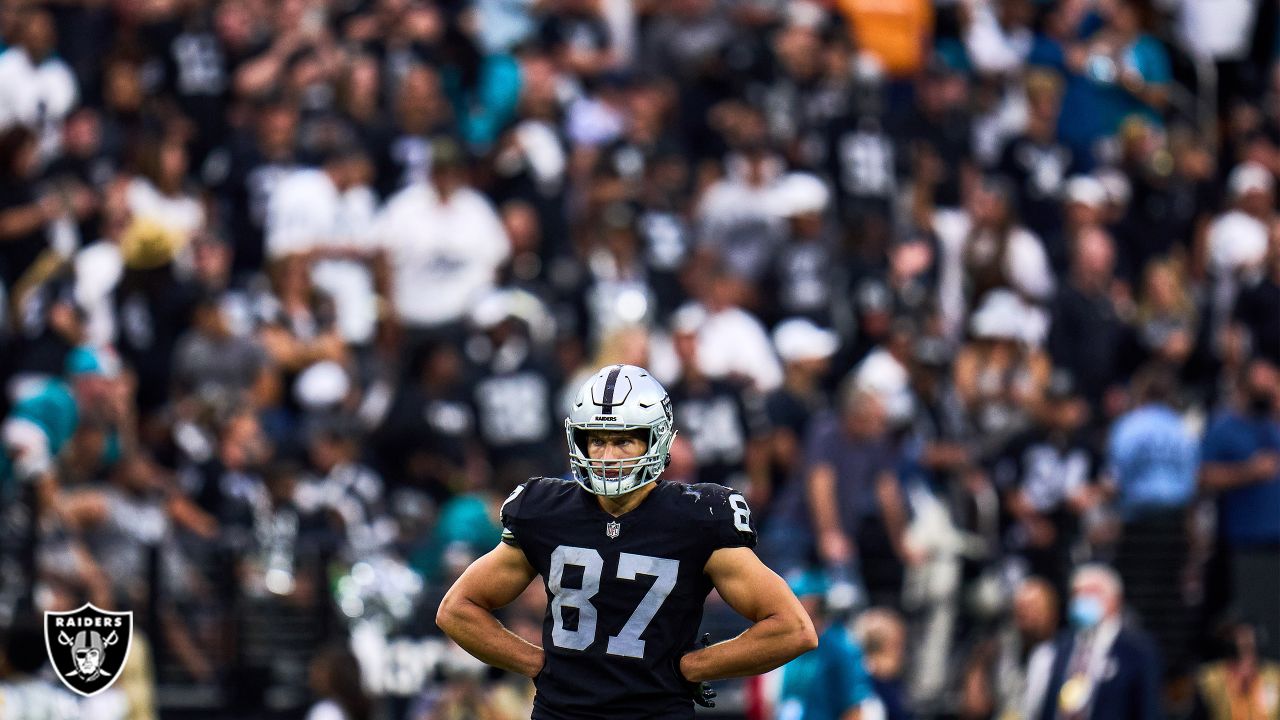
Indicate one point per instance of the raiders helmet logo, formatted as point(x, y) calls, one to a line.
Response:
point(88, 646)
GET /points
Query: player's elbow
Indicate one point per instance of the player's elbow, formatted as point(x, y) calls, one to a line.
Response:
point(807, 638)
point(450, 613)
point(801, 637)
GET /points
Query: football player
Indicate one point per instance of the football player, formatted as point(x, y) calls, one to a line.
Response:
point(627, 562)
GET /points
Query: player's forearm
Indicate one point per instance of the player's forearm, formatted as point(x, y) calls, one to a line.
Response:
point(477, 631)
point(766, 645)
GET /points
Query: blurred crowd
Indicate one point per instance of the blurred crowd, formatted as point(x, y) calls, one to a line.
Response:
point(977, 301)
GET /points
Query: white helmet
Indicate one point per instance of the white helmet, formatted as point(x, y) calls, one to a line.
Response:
point(620, 397)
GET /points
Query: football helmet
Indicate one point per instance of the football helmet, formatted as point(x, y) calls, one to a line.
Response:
point(620, 397)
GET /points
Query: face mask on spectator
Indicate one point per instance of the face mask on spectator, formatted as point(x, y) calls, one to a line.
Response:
point(1260, 403)
point(1086, 612)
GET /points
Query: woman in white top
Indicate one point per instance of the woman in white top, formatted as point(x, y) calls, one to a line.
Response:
point(158, 191)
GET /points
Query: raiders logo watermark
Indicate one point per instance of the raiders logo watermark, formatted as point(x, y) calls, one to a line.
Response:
point(88, 646)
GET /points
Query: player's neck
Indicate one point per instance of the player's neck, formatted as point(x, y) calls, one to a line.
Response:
point(623, 504)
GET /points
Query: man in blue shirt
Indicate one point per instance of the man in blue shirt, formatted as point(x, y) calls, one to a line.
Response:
point(1153, 460)
point(1241, 454)
point(829, 683)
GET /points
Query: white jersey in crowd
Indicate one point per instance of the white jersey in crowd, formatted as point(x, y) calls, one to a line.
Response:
point(1026, 265)
point(35, 699)
point(37, 96)
point(443, 255)
point(733, 342)
point(306, 212)
point(181, 214)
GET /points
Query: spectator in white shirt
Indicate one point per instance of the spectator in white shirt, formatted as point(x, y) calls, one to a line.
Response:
point(737, 221)
point(36, 89)
point(731, 341)
point(1237, 239)
point(444, 243)
point(158, 193)
point(983, 248)
point(324, 215)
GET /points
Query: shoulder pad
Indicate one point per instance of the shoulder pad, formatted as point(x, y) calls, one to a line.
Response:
point(722, 510)
point(534, 497)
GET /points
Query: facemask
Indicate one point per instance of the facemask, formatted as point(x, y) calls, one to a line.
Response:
point(1085, 611)
point(1260, 404)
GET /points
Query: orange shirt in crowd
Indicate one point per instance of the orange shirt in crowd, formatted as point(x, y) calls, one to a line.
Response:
point(896, 32)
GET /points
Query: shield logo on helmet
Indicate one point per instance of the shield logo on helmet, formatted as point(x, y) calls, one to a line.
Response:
point(613, 530)
point(88, 646)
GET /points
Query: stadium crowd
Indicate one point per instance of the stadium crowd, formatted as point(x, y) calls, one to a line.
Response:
point(975, 300)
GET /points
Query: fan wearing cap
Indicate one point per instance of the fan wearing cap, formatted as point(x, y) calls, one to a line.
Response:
point(802, 278)
point(831, 682)
point(514, 388)
point(1001, 373)
point(806, 352)
point(1237, 239)
point(39, 429)
point(48, 413)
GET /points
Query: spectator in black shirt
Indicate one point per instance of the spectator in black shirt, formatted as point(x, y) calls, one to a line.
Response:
point(939, 137)
point(806, 351)
point(806, 275)
point(1257, 312)
point(725, 428)
point(24, 214)
point(1037, 164)
point(1087, 337)
point(243, 174)
point(577, 35)
point(1048, 479)
point(402, 152)
point(427, 439)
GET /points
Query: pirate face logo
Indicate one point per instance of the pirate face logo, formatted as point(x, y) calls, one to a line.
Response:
point(88, 646)
point(87, 649)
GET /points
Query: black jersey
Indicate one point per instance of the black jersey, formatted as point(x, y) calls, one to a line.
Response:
point(624, 594)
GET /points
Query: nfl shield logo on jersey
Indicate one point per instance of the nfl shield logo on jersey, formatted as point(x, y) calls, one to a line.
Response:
point(613, 529)
point(88, 646)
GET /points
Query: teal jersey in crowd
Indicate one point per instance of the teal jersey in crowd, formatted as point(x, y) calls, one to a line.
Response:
point(51, 408)
point(825, 683)
point(484, 111)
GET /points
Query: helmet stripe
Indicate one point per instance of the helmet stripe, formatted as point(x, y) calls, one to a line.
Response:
point(606, 407)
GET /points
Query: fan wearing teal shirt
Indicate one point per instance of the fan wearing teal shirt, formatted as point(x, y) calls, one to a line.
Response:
point(829, 683)
point(47, 414)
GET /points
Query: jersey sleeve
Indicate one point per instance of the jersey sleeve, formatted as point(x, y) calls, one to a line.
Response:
point(510, 513)
point(733, 522)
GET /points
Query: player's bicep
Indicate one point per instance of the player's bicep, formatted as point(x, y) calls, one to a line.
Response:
point(495, 579)
point(748, 585)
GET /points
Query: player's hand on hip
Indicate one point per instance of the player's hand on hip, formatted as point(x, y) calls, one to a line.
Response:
point(701, 692)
